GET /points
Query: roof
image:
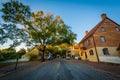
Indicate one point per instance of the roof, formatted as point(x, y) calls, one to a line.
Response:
point(95, 28)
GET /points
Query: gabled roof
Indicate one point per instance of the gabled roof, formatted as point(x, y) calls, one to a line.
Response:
point(95, 28)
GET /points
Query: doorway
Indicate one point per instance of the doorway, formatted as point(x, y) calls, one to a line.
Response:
point(86, 55)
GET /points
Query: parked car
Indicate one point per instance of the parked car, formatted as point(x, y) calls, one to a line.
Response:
point(77, 57)
point(50, 58)
point(67, 57)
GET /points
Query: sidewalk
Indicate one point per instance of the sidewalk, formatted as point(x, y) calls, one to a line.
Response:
point(8, 69)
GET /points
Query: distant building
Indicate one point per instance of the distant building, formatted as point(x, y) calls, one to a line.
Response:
point(73, 50)
point(102, 42)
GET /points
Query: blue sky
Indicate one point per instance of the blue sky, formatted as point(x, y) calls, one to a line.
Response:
point(81, 15)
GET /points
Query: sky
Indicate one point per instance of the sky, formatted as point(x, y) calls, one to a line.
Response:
point(80, 15)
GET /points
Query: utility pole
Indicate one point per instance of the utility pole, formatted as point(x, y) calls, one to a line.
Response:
point(95, 48)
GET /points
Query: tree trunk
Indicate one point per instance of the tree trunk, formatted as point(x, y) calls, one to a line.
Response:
point(43, 59)
point(16, 63)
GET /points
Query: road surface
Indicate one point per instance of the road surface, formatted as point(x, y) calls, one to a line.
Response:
point(58, 70)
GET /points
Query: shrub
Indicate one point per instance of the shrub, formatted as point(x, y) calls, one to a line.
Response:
point(9, 53)
point(33, 55)
point(1, 57)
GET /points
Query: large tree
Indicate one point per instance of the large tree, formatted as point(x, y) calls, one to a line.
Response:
point(48, 30)
point(14, 15)
point(39, 28)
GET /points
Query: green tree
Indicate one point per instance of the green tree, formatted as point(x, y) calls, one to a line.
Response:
point(50, 48)
point(1, 56)
point(14, 15)
point(38, 27)
point(48, 30)
point(33, 54)
point(9, 53)
point(21, 52)
point(63, 47)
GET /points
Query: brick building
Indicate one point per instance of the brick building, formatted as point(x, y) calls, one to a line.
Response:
point(101, 42)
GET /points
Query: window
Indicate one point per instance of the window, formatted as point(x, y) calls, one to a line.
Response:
point(102, 29)
point(102, 38)
point(86, 55)
point(81, 54)
point(105, 51)
point(117, 29)
point(91, 52)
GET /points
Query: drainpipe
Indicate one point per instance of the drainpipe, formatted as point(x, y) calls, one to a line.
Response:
point(95, 48)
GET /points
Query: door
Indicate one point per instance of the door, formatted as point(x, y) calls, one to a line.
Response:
point(85, 55)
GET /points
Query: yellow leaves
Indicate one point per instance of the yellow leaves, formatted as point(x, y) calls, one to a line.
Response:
point(48, 15)
point(38, 14)
point(57, 17)
point(48, 28)
point(63, 45)
point(33, 52)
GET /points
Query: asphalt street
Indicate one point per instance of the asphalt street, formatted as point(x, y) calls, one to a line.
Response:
point(58, 70)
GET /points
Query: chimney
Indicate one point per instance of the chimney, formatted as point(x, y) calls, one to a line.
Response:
point(86, 32)
point(103, 16)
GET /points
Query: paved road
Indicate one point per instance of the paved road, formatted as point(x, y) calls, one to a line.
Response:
point(57, 70)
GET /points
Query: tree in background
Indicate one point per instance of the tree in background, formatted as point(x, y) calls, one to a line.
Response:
point(8, 53)
point(48, 30)
point(21, 52)
point(33, 54)
point(64, 47)
point(19, 25)
point(1, 56)
point(57, 50)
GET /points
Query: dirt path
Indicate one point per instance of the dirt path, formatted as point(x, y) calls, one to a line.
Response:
point(57, 70)
point(110, 68)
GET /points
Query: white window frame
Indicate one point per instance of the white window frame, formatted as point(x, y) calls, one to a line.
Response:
point(102, 38)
